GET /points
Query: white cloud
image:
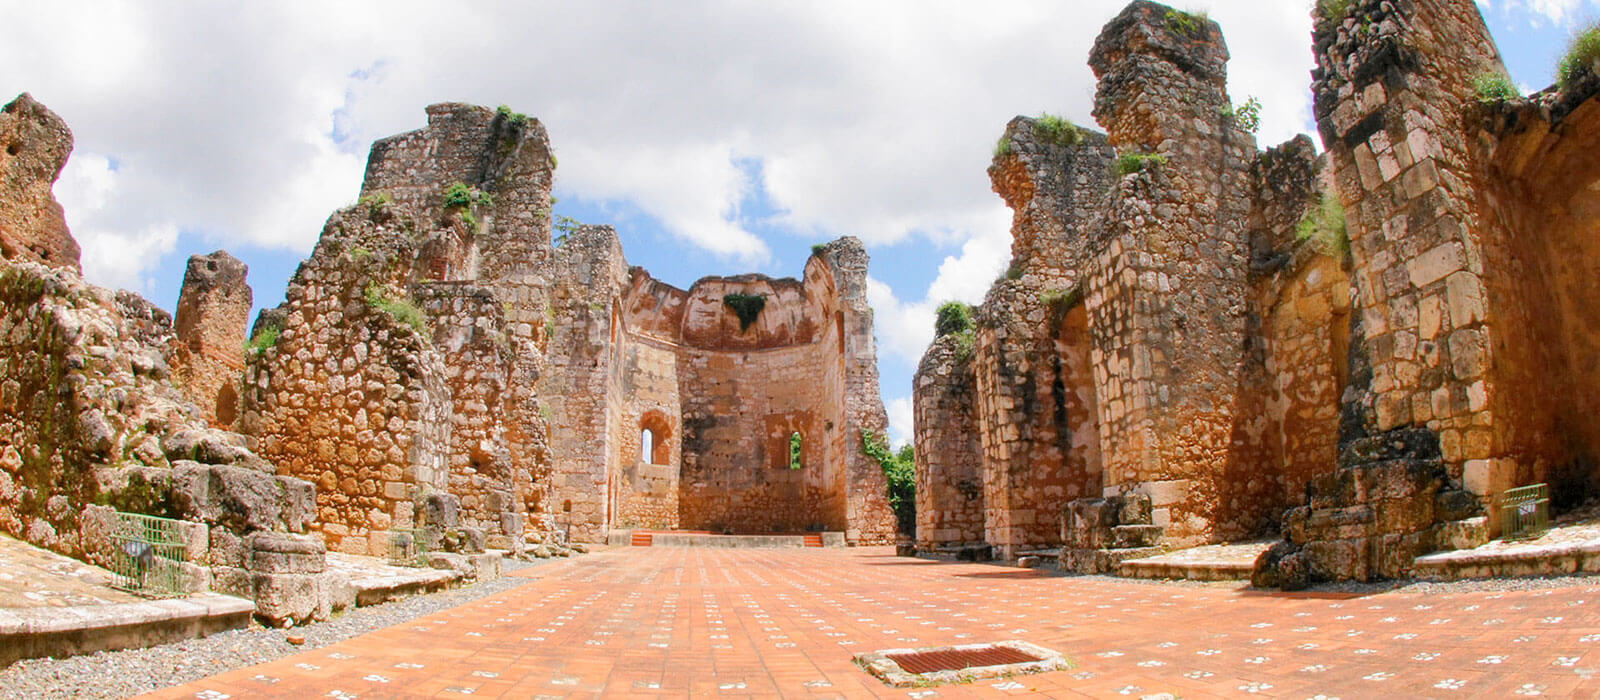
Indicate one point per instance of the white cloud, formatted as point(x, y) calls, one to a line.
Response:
point(874, 119)
point(901, 424)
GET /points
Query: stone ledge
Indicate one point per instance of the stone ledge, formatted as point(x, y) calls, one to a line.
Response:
point(68, 631)
point(1530, 560)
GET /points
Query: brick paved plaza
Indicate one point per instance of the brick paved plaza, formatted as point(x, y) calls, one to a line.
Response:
point(676, 622)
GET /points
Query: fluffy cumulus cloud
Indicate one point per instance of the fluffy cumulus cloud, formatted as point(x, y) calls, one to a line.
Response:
point(240, 124)
point(1537, 11)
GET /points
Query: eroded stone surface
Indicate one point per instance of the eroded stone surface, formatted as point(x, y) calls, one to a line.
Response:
point(34, 144)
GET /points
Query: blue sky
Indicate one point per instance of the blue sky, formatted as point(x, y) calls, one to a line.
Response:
point(718, 137)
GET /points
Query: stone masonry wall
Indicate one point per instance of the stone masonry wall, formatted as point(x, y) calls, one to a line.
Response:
point(34, 145)
point(949, 454)
point(213, 312)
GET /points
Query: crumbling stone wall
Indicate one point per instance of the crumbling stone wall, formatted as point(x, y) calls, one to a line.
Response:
point(411, 339)
point(213, 312)
point(1468, 241)
point(1159, 334)
point(949, 454)
point(722, 399)
point(34, 145)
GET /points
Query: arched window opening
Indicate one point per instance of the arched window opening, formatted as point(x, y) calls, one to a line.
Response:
point(795, 451)
point(655, 438)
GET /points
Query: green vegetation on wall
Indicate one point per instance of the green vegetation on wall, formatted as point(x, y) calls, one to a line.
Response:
point(746, 306)
point(1246, 116)
point(1582, 55)
point(1325, 225)
point(402, 310)
point(264, 338)
point(900, 468)
point(1057, 130)
point(1130, 163)
point(1494, 87)
point(794, 451)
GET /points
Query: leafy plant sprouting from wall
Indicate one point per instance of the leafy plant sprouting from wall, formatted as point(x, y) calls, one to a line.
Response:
point(1057, 130)
point(1130, 163)
point(794, 451)
point(265, 337)
point(900, 468)
point(1246, 116)
point(1581, 57)
point(1190, 24)
point(1334, 11)
point(1494, 87)
point(746, 306)
point(513, 118)
point(1325, 226)
point(402, 310)
point(954, 318)
point(461, 197)
point(1003, 147)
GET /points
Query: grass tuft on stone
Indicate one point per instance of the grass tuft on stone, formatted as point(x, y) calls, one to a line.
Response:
point(1581, 58)
point(1057, 130)
point(1130, 163)
point(402, 311)
point(1494, 88)
point(952, 317)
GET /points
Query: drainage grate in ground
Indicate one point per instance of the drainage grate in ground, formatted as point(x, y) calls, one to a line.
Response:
point(903, 668)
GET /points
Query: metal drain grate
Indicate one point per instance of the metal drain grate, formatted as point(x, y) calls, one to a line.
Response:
point(957, 659)
point(908, 668)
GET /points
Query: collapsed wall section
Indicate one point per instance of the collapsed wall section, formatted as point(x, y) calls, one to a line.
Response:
point(34, 145)
point(213, 312)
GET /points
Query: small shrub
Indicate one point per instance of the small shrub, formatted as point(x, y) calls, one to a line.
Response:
point(1325, 226)
point(1580, 58)
point(460, 195)
point(952, 317)
point(966, 343)
point(265, 338)
point(1058, 130)
point(1246, 116)
point(1191, 24)
point(1494, 87)
point(403, 311)
point(1002, 147)
point(818, 249)
point(1334, 11)
point(516, 119)
point(900, 469)
point(1130, 163)
point(1014, 272)
point(746, 306)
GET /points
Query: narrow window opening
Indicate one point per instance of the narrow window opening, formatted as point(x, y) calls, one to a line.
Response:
point(796, 453)
point(647, 443)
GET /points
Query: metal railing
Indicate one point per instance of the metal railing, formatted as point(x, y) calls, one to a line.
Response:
point(147, 555)
point(1524, 512)
point(407, 547)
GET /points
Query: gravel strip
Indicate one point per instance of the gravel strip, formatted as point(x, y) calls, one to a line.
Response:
point(121, 674)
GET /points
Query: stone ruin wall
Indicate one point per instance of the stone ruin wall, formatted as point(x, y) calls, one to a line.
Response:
point(721, 400)
point(213, 312)
point(34, 145)
point(94, 422)
point(386, 413)
point(1154, 331)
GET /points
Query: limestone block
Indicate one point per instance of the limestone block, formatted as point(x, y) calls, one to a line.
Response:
point(283, 553)
point(1436, 264)
point(1487, 477)
point(284, 600)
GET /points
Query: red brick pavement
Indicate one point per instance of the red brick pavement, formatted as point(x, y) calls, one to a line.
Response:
point(667, 622)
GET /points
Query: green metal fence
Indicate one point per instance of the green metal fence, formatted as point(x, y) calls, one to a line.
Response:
point(407, 547)
point(1524, 512)
point(147, 554)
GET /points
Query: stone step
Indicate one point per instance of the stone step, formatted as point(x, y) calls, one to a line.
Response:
point(1125, 536)
point(1192, 571)
point(1470, 533)
point(84, 629)
point(1505, 559)
point(1101, 561)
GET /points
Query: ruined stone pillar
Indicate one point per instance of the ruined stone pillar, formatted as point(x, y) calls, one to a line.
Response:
point(213, 311)
point(1393, 83)
point(34, 145)
point(1170, 287)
